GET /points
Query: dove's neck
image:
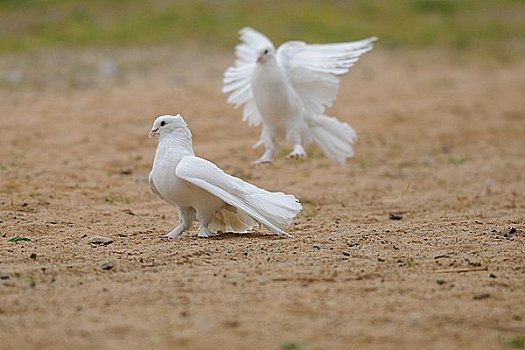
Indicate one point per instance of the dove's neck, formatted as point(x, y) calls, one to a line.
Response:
point(270, 64)
point(172, 147)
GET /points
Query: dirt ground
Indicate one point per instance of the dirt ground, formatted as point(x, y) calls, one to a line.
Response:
point(441, 145)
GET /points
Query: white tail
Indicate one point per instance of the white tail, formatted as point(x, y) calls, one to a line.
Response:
point(229, 219)
point(334, 137)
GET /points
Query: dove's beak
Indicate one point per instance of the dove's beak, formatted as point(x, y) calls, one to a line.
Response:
point(259, 59)
point(153, 132)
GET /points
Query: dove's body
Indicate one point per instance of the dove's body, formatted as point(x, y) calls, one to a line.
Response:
point(280, 108)
point(273, 96)
point(219, 202)
point(288, 90)
point(176, 191)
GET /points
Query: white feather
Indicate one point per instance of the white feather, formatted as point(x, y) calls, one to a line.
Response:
point(272, 210)
point(201, 190)
point(290, 90)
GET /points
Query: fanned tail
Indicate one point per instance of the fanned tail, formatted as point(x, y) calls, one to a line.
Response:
point(229, 219)
point(334, 137)
point(273, 210)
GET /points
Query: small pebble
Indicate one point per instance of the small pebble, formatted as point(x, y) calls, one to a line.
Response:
point(107, 265)
point(4, 276)
point(32, 256)
point(353, 243)
point(100, 240)
point(395, 216)
point(481, 296)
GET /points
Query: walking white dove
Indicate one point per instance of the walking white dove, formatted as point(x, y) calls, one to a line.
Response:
point(200, 190)
point(289, 89)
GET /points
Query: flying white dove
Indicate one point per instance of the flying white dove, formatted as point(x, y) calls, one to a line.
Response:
point(199, 189)
point(288, 90)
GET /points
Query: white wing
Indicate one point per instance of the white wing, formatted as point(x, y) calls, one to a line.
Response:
point(237, 78)
point(313, 69)
point(271, 209)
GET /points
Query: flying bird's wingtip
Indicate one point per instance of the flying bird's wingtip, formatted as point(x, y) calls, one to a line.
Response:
point(245, 29)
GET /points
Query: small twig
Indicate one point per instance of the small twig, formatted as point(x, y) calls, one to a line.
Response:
point(466, 269)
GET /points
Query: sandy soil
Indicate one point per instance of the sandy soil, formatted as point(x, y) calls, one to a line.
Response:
point(441, 143)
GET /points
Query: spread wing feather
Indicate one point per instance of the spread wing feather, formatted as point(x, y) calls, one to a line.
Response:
point(313, 69)
point(237, 78)
point(271, 209)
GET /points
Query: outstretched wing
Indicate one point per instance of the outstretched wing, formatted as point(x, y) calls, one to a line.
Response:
point(313, 69)
point(237, 78)
point(270, 209)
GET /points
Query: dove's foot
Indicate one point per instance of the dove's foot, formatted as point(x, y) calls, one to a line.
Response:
point(262, 161)
point(173, 234)
point(266, 158)
point(204, 233)
point(297, 153)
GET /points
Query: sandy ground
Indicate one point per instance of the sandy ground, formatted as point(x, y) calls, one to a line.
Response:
point(441, 144)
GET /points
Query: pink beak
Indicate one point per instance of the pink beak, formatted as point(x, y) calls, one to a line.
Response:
point(259, 59)
point(153, 132)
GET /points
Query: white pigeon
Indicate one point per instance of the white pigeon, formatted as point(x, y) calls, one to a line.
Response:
point(289, 89)
point(201, 190)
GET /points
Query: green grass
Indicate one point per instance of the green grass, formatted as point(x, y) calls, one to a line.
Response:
point(517, 342)
point(20, 239)
point(34, 24)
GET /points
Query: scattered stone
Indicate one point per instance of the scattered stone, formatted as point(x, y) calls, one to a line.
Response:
point(32, 256)
point(128, 211)
point(510, 232)
point(100, 240)
point(126, 172)
point(395, 216)
point(440, 282)
point(353, 243)
point(441, 256)
point(4, 276)
point(380, 259)
point(492, 275)
point(481, 296)
point(346, 254)
point(107, 265)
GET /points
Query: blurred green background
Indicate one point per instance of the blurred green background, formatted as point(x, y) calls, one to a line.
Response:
point(486, 25)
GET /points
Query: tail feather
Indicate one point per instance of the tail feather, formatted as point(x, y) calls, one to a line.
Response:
point(272, 209)
point(276, 207)
point(334, 137)
point(229, 219)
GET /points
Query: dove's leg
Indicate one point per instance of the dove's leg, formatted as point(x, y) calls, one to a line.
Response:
point(204, 218)
point(296, 128)
point(186, 215)
point(268, 135)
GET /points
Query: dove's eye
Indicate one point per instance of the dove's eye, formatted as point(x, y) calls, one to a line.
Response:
point(162, 123)
point(266, 51)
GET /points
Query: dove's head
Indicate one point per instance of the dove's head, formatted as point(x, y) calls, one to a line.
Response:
point(264, 53)
point(167, 124)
